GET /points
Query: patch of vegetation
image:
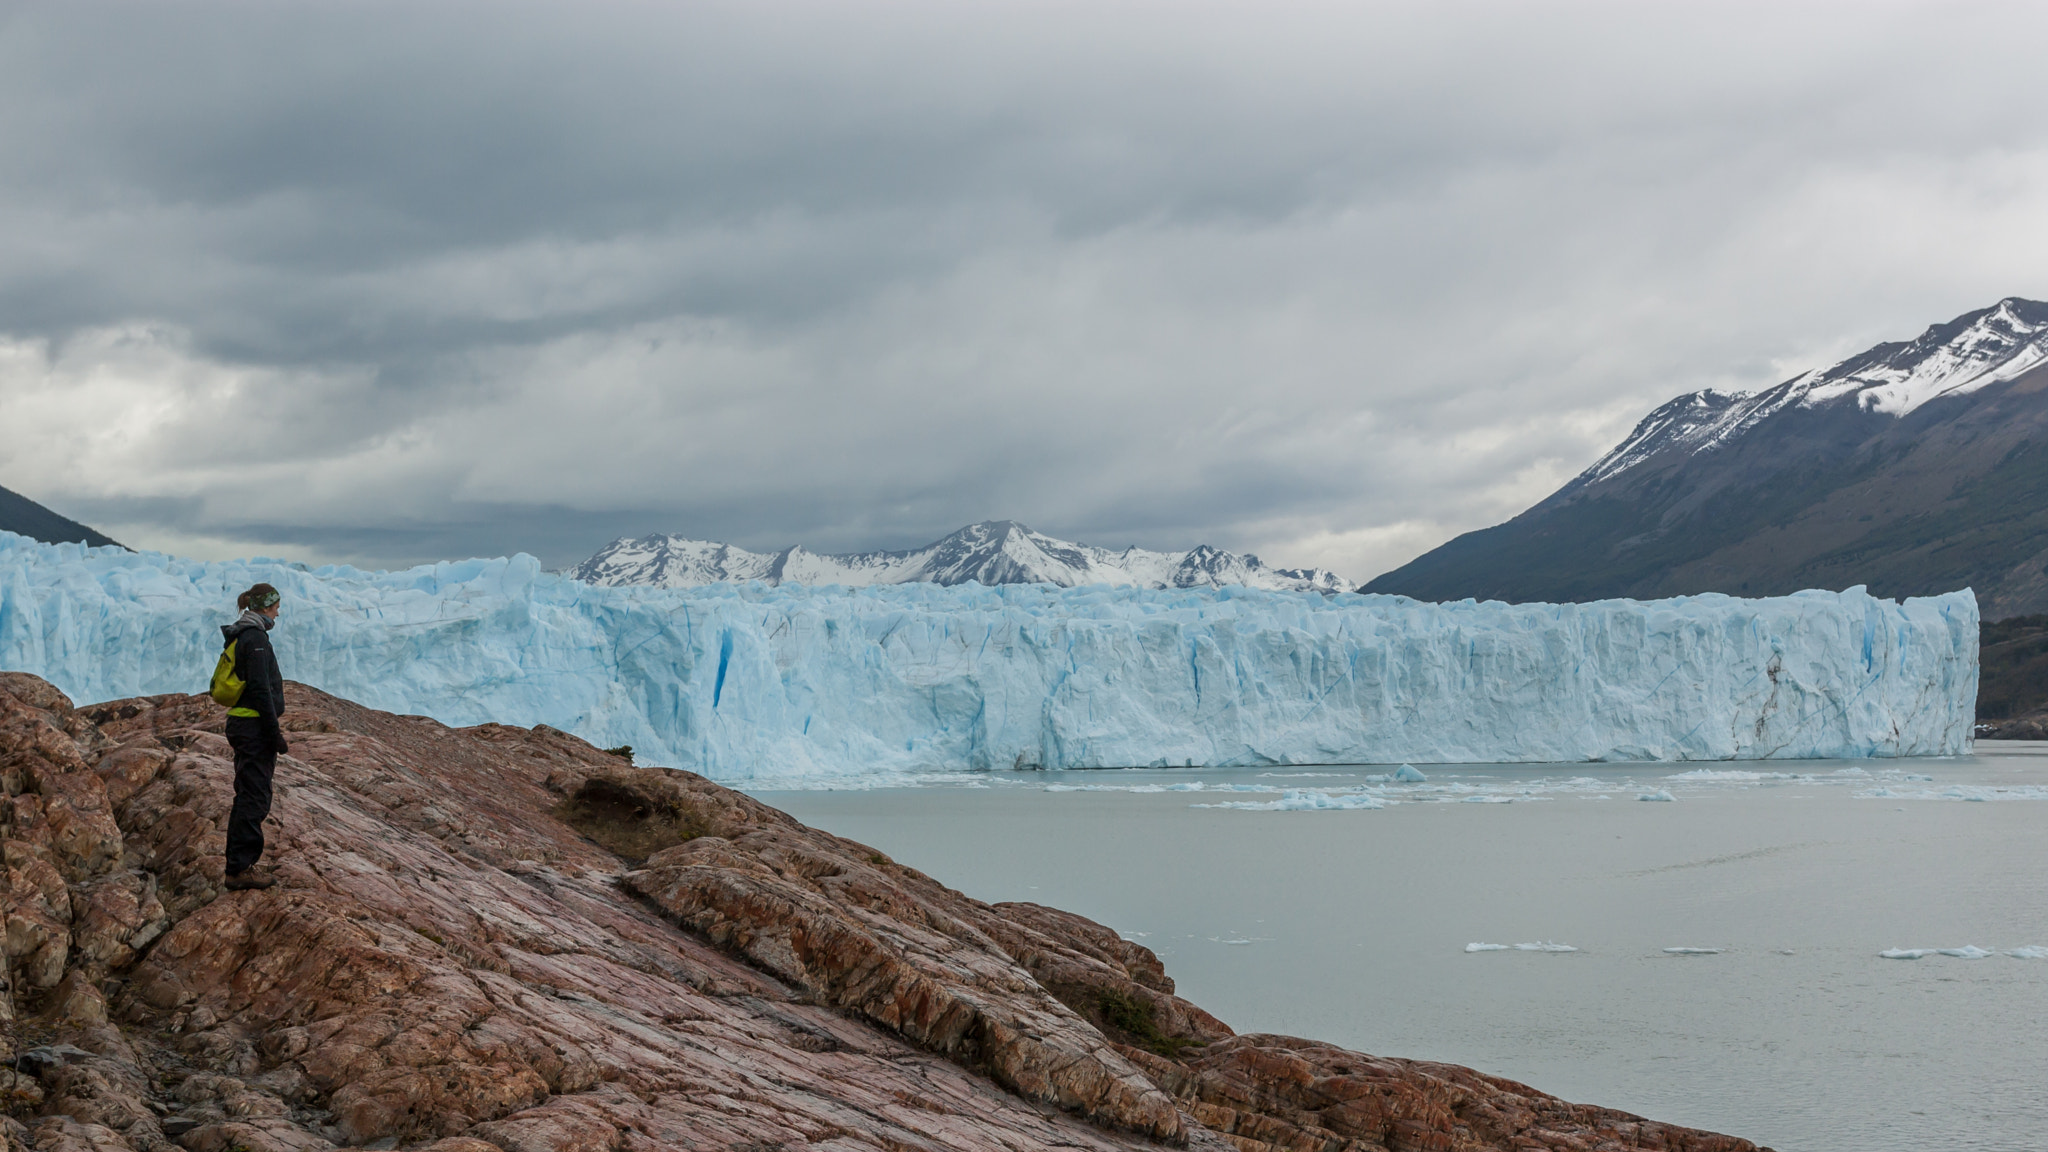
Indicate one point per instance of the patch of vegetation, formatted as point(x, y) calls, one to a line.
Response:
point(1125, 1018)
point(623, 751)
point(626, 821)
point(879, 860)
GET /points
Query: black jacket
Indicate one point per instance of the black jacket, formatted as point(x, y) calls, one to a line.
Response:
point(262, 683)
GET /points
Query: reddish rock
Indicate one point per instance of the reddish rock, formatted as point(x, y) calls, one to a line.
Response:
point(449, 963)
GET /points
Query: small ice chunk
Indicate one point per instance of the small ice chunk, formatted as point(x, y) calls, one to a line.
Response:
point(1407, 774)
point(1967, 952)
point(1544, 946)
point(1694, 951)
point(1904, 953)
point(2032, 952)
point(1663, 794)
point(1477, 947)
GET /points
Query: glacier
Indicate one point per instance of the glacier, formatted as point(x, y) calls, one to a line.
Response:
point(795, 685)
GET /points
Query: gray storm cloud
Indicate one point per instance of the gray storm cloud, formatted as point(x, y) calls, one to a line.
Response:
point(1328, 283)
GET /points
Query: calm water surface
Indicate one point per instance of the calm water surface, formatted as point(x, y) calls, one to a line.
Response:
point(1352, 924)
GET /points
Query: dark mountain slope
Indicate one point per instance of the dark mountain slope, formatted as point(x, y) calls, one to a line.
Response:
point(2014, 678)
point(1915, 468)
point(22, 515)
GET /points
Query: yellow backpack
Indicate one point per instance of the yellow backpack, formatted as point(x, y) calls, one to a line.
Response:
point(227, 687)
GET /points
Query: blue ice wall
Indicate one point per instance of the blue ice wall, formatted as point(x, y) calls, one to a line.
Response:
point(750, 684)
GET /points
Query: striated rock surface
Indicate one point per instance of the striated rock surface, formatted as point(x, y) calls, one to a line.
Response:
point(497, 939)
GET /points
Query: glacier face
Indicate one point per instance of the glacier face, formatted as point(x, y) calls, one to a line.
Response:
point(991, 552)
point(760, 685)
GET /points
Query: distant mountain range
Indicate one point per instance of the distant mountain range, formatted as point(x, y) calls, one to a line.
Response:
point(1914, 468)
point(21, 515)
point(991, 552)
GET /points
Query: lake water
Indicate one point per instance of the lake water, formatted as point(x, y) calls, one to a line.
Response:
point(1352, 924)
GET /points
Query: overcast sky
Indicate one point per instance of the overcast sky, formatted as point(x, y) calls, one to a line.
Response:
point(1331, 283)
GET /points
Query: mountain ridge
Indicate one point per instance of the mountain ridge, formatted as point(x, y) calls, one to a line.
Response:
point(989, 552)
point(21, 515)
point(1912, 468)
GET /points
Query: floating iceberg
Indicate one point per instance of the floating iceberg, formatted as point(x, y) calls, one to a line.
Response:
point(756, 685)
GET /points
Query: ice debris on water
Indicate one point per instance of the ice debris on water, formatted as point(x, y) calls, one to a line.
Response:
point(752, 684)
point(1694, 951)
point(1409, 775)
point(1718, 774)
point(2031, 952)
point(1661, 794)
point(1475, 947)
point(1536, 946)
point(1298, 801)
point(1967, 793)
point(1966, 952)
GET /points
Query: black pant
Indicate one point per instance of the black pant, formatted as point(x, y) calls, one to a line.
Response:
point(255, 761)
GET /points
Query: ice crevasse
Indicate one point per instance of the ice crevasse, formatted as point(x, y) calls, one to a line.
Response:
point(756, 685)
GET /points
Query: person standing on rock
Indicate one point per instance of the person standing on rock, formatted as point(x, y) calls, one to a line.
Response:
point(253, 731)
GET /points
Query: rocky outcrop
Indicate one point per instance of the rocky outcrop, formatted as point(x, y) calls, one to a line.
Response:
point(504, 939)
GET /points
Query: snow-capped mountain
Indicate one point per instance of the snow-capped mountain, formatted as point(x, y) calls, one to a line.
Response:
point(991, 552)
point(1955, 359)
point(1916, 467)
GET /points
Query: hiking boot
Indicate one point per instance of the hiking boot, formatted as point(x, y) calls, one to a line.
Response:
point(244, 881)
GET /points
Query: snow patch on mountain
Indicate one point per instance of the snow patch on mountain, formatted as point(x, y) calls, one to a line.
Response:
point(1970, 352)
point(990, 553)
point(752, 683)
point(1951, 359)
